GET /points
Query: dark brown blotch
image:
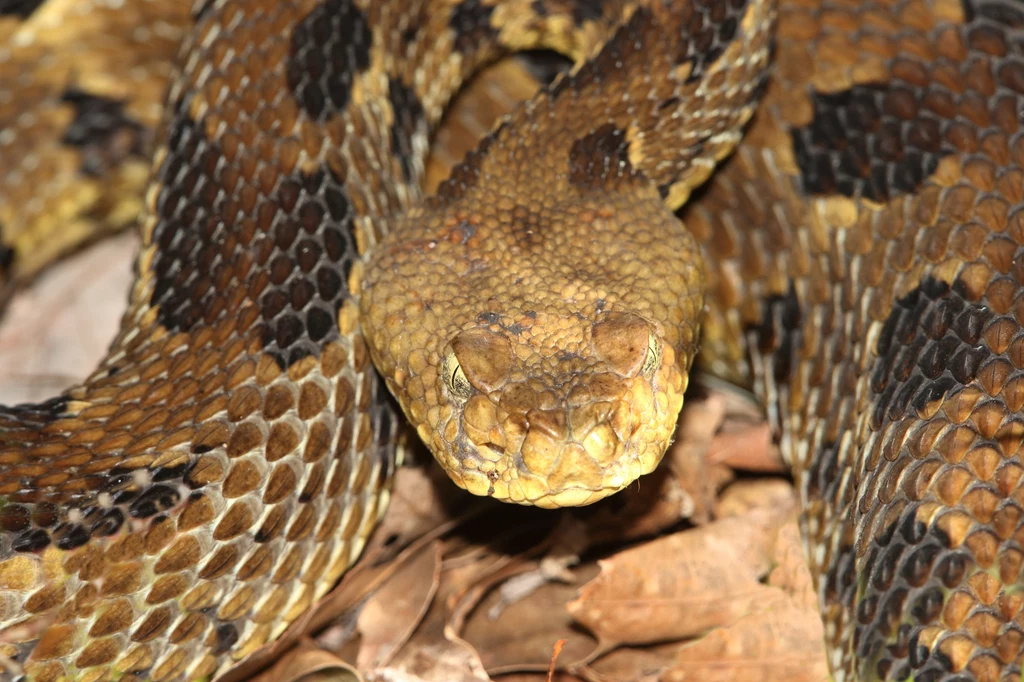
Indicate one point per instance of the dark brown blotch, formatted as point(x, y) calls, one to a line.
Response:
point(624, 47)
point(471, 24)
point(902, 593)
point(928, 605)
point(778, 334)
point(154, 500)
point(225, 637)
point(600, 157)
point(930, 345)
point(39, 413)
point(46, 514)
point(15, 518)
point(823, 477)
point(31, 541)
point(190, 235)
point(22, 9)
point(103, 132)
point(711, 27)
point(7, 257)
point(1003, 13)
point(874, 141)
point(314, 252)
point(587, 10)
point(70, 536)
point(466, 174)
point(329, 48)
point(409, 120)
point(104, 522)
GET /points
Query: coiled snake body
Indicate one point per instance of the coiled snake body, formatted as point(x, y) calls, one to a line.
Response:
point(856, 260)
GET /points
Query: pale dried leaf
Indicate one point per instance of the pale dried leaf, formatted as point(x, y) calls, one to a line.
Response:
point(435, 651)
point(696, 475)
point(741, 497)
point(55, 331)
point(778, 642)
point(791, 573)
point(444, 662)
point(422, 498)
point(522, 636)
point(681, 585)
point(751, 448)
point(389, 617)
point(627, 664)
point(307, 662)
point(655, 502)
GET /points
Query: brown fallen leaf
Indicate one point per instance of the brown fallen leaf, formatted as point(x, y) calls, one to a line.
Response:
point(751, 448)
point(56, 330)
point(681, 585)
point(763, 492)
point(390, 616)
point(422, 498)
point(779, 642)
point(521, 637)
point(306, 662)
point(434, 652)
point(791, 573)
point(780, 639)
point(696, 475)
point(629, 664)
point(655, 502)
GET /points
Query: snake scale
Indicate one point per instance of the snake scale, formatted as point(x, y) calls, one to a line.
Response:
point(856, 259)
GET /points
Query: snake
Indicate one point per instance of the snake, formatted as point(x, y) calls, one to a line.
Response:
point(816, 200)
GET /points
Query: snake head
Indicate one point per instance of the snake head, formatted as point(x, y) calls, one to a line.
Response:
point(538, 371)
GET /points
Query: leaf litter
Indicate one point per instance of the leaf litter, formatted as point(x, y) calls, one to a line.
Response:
point(695, 572)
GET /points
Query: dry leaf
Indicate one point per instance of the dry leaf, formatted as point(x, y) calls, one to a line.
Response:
point(779, 642)
point(434, 663)
point(307, 662)
point(791, 573)
point(434, 652)
point(422, 498)
point(698, 477)
point(681, 585)
point(391, 615)
point(751, 448)
point(627, 664)
point(522, 636)
point(781, 639)
point(743, 496)
point(55, 331)
point(655, 502)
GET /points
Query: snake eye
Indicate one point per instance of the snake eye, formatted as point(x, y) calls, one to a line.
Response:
point(653, 358)
point(455, 378)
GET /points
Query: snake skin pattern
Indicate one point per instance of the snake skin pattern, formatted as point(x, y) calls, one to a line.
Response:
point(856, 261)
